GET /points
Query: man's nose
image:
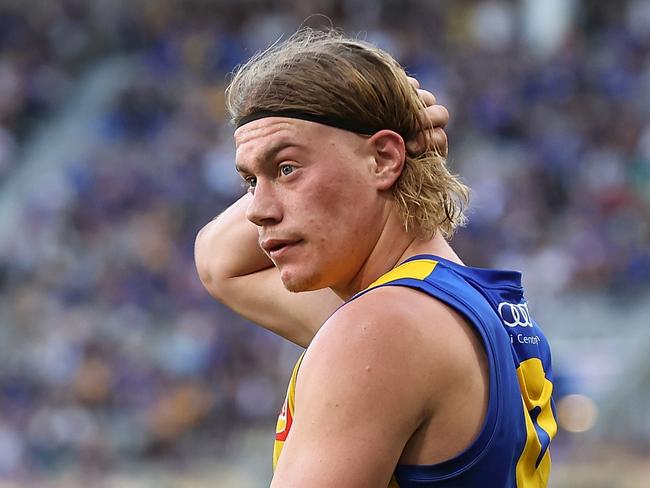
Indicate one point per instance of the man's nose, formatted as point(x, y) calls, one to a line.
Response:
point(264, 208)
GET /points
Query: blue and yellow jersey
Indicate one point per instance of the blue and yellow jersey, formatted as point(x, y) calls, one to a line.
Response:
point(512, 449)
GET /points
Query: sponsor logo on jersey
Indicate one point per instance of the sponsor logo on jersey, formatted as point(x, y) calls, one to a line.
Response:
point(515, 314)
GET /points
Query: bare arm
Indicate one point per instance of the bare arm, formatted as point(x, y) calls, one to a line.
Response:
point(235, 270)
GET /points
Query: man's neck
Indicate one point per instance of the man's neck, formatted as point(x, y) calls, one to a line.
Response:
point(394, 246)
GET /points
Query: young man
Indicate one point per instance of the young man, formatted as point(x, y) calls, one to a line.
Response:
point(431, 373)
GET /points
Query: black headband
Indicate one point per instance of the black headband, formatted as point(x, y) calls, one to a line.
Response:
point(337, 122)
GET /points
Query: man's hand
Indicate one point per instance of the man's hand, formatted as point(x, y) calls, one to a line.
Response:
point(437, 117)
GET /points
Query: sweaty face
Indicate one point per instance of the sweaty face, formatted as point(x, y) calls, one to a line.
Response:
point(314, 200)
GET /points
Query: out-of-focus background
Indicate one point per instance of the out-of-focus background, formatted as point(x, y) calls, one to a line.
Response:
point(118, 370)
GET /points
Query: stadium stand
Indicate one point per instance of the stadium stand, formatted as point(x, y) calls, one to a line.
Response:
point(112, 353)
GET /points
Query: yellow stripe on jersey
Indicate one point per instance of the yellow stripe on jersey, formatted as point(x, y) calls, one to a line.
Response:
point(536, 392)
point(418, 270)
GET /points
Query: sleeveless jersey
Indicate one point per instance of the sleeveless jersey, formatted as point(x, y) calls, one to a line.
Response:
point(512, 449)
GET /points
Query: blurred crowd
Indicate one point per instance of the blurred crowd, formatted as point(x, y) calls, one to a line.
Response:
point(110, 347)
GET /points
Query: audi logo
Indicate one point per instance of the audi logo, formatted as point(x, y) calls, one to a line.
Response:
point(515, 314)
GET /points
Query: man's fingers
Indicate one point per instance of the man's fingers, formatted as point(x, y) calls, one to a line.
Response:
point(414, 82)
point(427, 97)
point(416, 145)
point(437, 115)
point(437, 139)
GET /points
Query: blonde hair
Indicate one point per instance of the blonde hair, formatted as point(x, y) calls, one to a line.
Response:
point(323, 73)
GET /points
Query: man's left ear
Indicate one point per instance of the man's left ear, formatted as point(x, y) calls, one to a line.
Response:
point(390, 153)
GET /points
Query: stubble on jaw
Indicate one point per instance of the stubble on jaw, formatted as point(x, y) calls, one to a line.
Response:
point(297, 285)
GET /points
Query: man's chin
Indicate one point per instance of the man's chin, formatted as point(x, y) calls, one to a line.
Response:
point(296, 283)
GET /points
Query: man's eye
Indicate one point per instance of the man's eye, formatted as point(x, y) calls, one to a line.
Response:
point(286, 169)
point(251, 182)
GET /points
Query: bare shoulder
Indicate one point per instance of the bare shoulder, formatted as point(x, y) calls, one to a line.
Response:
point(397, 319)
point(407, 338)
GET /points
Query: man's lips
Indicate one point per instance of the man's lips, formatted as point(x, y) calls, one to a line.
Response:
point(276, 247)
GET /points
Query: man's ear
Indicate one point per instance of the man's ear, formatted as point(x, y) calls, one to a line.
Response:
point(389, 153)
